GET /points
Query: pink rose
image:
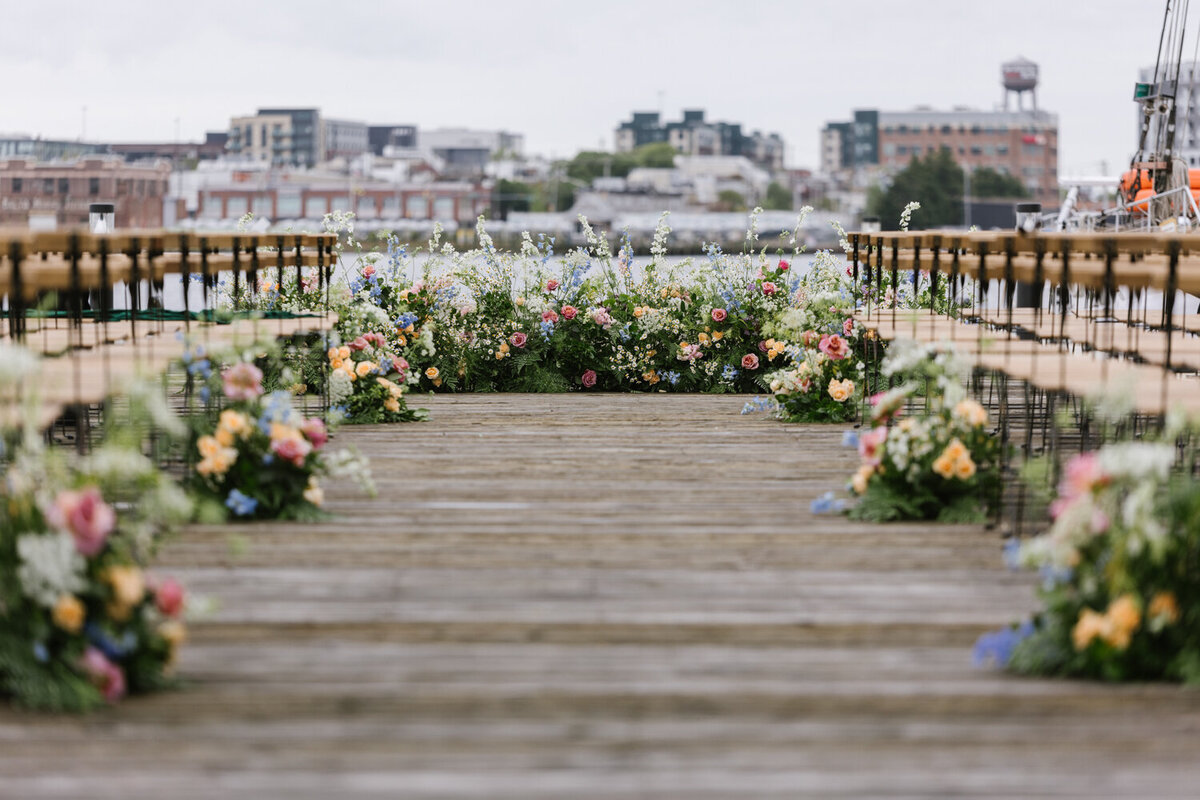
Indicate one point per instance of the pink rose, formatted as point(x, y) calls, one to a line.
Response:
point(550, 316)
point(314, 430)
point(834, 346)
point(719, 314)
point(368, 270)
point(848, 327)
point(870, 443)
point(242, 381)
point(589, 378)
point(804, 385)
point(769, 288)
point(601, 317)
point(104, 674)
point(783, 265)
point(569, 312)
point(809, 338)
point(168, 597)
point(291, 449)
point(518, 339)
point(1082, 474)
point(551, 285)
point(86, 516)
point(358, 344)
point(749, 361)
point(376, 339)
point(762, 346)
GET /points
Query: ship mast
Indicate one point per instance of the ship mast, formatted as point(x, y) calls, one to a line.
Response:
point(1156, 143)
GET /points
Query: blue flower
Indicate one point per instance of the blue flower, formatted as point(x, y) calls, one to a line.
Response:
point(547, 329)
point(406, 319)
point(240, 504)
point(996, 648)
point(759, 404)
point(112, 648)
point(671, 377)
point(729, 373)
point(1012, 553)
point(827, 504)
point(268, 459)
point(204, 394)
point(850, 439)
point(1052, 576)
point(40, 652)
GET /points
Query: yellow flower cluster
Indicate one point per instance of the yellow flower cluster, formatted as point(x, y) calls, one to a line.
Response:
point(971, 413)
point(68, 613)
point(1163, 609)
point(651, 377)
point(841, 391)
point(174, 633)
point(861, 478)
point(435, 376)
point(775, 349)
point(394, 390)
point(502, 352)
point(1115, 626)
point(955, 462)
point(314, 493)
point(128, 588)
point(215, 458)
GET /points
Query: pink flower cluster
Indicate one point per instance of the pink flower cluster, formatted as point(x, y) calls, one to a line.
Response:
point(601, 317)
point(1082, 476)
point(367, 340)
point(834, 346)
point(550, 315)
point(242, 381)
point(84, 515)
point(690, 353)
point(103, 674)
point(589, 378)
point(314, 428)
point(870, 444)
point(769, 288)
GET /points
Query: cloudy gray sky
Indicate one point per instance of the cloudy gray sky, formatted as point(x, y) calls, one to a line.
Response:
point(565, 73)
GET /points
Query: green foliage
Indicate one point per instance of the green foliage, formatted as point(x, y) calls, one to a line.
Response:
point(778, 197)
point(588, 165)
point(988, 183)
point(936, 182)
point(509, 196)
point(730, 200)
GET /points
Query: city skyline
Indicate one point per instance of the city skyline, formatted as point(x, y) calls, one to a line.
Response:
point(566, 77)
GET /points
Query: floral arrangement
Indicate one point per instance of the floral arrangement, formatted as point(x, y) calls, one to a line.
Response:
point(367, 382)
point(592, 319)
point(260, 458)
point(939, 464)
point(1120, 585)
point(82, 620)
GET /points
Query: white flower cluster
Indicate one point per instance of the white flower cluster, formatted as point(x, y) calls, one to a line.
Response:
point(340, 387)
point(51, 566)
point(907, 213)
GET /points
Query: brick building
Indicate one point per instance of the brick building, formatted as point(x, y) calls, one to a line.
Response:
point(459, 202)
point(62, 191)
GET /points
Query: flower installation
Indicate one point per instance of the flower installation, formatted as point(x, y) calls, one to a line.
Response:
point(1120, 589)
point(938, 464)
point(260, 458)
point(83, 621)
point(589, 319)
point(367, 382)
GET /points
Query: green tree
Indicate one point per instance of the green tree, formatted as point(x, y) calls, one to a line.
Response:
point(508, 196)
point(988, 183)
point(659, 154)
point(729, 200)
point(778, 197)
point(936, 182)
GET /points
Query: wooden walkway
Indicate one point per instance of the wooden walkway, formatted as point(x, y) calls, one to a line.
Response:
point(595, 596)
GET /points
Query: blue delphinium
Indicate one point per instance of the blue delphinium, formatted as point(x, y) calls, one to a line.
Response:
point(996, 648)
point(547, 329)
point(850, 439)
point(729, 373)
point(671, 377)
point(240, 504)
point(759, 404)
point(827, 503)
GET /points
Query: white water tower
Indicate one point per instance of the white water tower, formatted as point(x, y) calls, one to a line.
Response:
point(1020, 75)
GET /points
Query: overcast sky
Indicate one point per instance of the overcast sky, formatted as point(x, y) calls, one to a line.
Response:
point(566, 73)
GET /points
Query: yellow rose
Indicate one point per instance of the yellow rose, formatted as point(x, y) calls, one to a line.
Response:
point(336, 363)
point(224, 437)
point(638, 311)
point(971, 413)
point(333, 353)
point(235, 422)
point(1123, 617)
point(314, 493)
point(391, 404)
point(128, 588)
point(718, 335)
point(841, 391)
point(1163, 608)
point(944, 466)
point(520, 301)
point(343, 352)
point(432, 373)
point(861, 478)
point(437, 381)
point(650, 377)
point(68, 613)
point(279, 432)
point(504, 348)
point(1089, 625)
point(364, 368)
point(704, 338)
point(208, 446)
point(401, 341)
point(964, 468)
point(499, 355)
point(955, 450)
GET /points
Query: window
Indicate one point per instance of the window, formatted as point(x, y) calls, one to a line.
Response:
point(903, 129)
point(945, 129)
point(889, 149)
point(64, 185)
point(443, 208)
point(315, 207)
point(901, 150)
point(17, 185)
point(341, 203)
point(47, 185)
point(141, 189)
point(212, 207)
point(1002, 150)
point(235, 207)
point(975, 129)
point(416, 207)
point(262, 136)
point(262, 205)
point(391, 207)
point(976, 150)
point(287, 206)
point(93, 186)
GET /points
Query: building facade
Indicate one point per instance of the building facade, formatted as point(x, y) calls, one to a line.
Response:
point(443, 201)
point(38, 149)
point(380, 137)
point(342, 138)
point(279, 137)
point(61, 192)
point(695, 136)
point(1021, 143)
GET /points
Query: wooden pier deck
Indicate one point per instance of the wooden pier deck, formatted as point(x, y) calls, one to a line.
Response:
point(601, 596)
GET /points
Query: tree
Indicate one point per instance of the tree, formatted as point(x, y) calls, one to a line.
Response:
point(730, 200)
point(935, 182)
point(778, 197)
point(660, 155)
point(987, 182)
point(508, 196)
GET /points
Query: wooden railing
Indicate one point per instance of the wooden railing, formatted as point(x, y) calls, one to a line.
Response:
point(93, 303)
